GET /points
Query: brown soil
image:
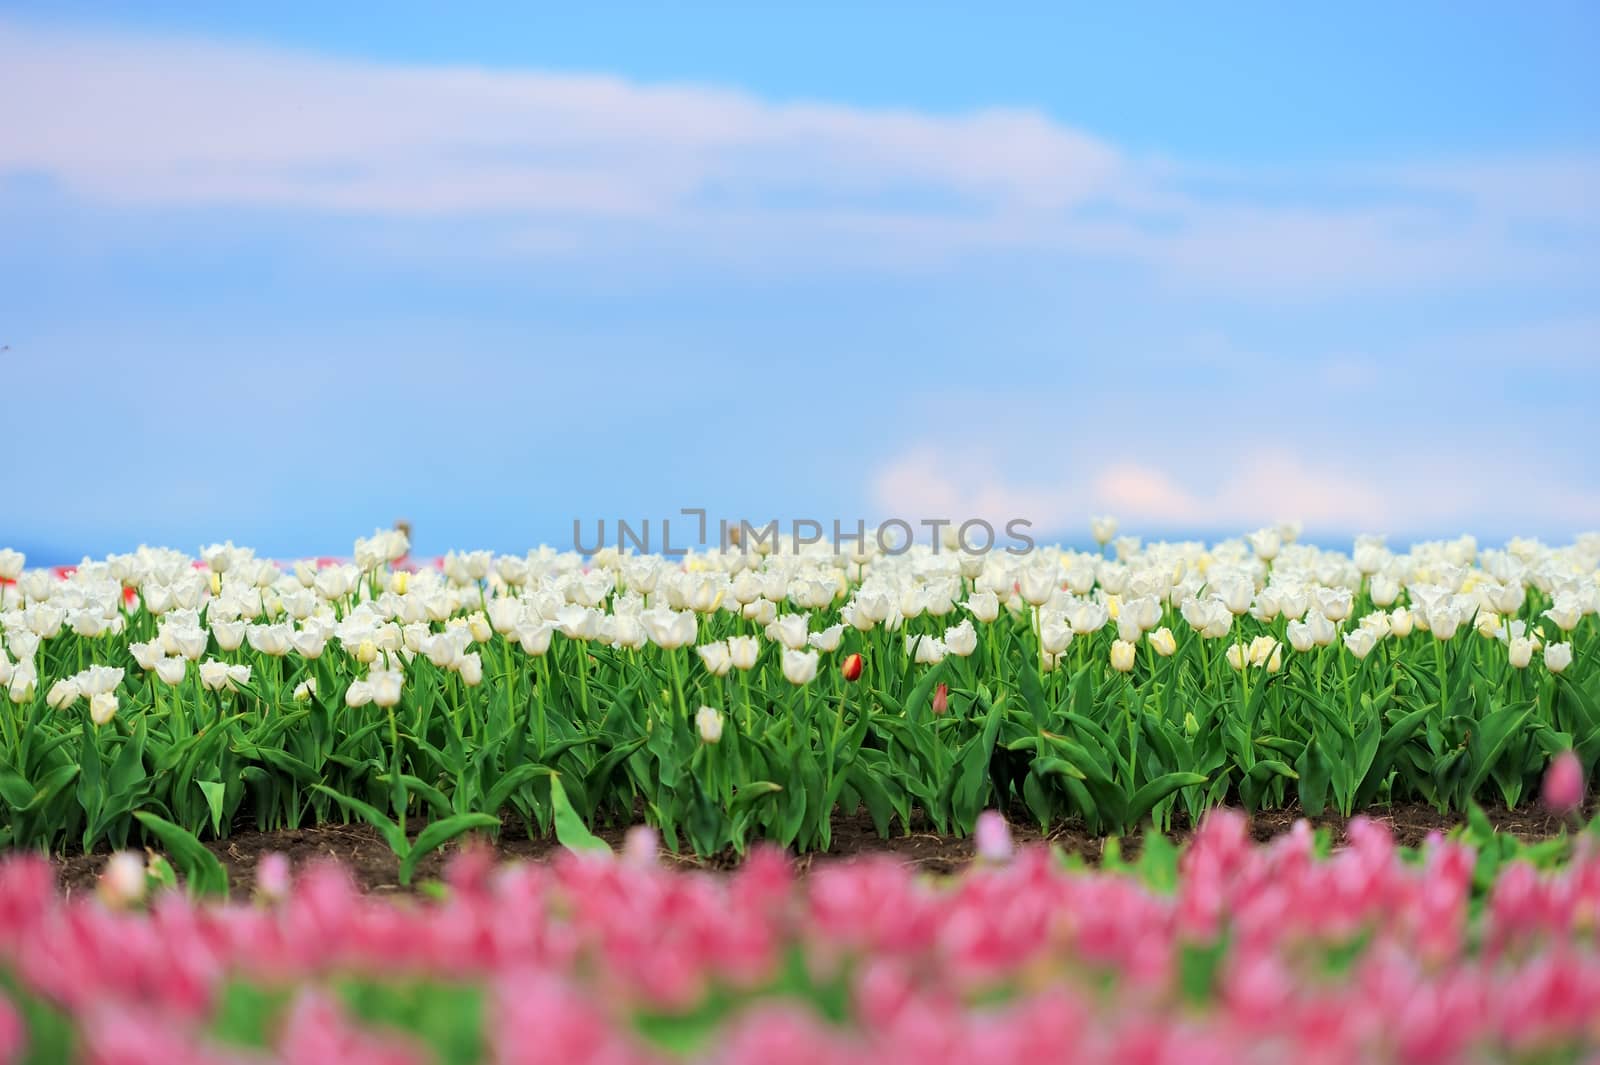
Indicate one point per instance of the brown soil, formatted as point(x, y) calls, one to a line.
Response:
point(363, 852)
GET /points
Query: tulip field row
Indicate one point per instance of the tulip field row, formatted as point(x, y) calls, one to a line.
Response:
point(1228, 953)
point(741, 695)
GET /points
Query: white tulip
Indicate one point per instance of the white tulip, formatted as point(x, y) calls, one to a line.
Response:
point(926, 650)
point(708, 721)
point(1360, 642)
point(827, 641)
point(124, 881)
point(62, 694)
point(1086, 617)
point(219, 676)
point(789, 630)
point(715, 657)
point(171, 671)
point(961, 640)
point(985, 606)
point(386, 685)
point(1566, 611)
point(743, 651)
point(1520, 652)
point(146, 655)
point(229, 634)
point(669, 629)
point(763, 612)
point(270, 640)
point(103, 707)
point(799, 667)
point(1266, 543)
point(1054, 634)
point(1300, 637)
point(1557, 657)
point(1323, 631)
point(535, 638)
point(1334, 603)
point(504, 615)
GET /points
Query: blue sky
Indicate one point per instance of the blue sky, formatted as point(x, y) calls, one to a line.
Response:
point(283, 275)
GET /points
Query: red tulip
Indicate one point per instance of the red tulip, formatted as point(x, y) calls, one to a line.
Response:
point(941, 699)
point(850, 669)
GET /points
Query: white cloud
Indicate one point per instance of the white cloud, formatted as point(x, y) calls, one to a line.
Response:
point(575, 163)
point(1247, 488)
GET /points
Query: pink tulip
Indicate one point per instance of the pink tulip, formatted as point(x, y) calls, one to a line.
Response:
point(993, 837)
point(1563, 783)
point(272, 877)
point(13, 1037)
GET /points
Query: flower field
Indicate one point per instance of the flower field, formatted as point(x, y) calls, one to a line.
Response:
point(742, 700)
point(1230, 953)
point(746, 695)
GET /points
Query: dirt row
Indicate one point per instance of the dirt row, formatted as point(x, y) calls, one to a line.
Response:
point(364, 853)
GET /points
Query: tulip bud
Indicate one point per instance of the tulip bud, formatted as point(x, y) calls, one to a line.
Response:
point(399, 581)
point(1520, 652)
point(1122, 655)
point(367, 652)
point(993, 837)
point(272, 877)
point(103, 707)
point(640, 846)
point(1191, 725)
point(1164, 643)
point(941, 699)
point(850, 669)
point(743, 650)
point(123, 883)
point(1563, 783)
point(708, 720)
point(1557, 657)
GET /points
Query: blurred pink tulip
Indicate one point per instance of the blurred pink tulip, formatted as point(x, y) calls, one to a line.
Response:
point(1563, 783)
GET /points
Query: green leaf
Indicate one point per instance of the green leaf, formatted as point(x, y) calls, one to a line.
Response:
point(1033, 697)
point(439, 833)
point(214, 791)
point(752, 792)
point(1315, 775)
point(1489, 741)
point(571, 832)
point(15, 789)
point(201, 869)
point(389, 829)
point(509, 782)
point(50, 787)
point(1145, 799)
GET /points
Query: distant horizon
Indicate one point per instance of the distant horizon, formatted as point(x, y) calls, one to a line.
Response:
point(44, 556)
